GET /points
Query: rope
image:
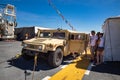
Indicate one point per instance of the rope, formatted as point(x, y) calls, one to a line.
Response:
point(59, 13)
point(35, 64)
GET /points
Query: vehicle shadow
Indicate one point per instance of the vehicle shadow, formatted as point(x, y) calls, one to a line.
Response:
point(82, 62)
point(67, 59)
point(42, 64)
point(29, 64)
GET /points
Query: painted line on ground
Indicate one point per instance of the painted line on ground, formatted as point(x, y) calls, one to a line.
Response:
point(68, 61)
point(64, 66)
point(89, 69)
point(46, 78)
point(78, 67)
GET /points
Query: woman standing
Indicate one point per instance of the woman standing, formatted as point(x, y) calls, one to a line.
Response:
point(100, 49)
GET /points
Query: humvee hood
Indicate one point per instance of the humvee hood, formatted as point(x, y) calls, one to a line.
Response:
point(44, 41)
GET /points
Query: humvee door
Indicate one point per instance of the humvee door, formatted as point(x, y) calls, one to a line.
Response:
point(76, 43)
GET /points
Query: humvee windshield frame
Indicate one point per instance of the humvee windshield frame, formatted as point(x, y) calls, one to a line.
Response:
point(45, 35)
point(57, 34)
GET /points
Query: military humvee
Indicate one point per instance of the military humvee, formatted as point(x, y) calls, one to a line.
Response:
point(55, 44)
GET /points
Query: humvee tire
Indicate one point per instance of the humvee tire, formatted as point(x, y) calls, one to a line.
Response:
point(25, 56)
point(55, 58)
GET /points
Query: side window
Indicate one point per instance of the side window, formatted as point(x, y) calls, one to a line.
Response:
point(82, 37)
point(78, 37)
point(72, 37)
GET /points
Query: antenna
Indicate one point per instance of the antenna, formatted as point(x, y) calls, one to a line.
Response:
point(59, 13)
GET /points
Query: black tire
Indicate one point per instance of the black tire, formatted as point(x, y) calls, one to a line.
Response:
point(55, 58)
point(25, 56)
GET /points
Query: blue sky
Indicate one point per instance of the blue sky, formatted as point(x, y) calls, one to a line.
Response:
point(84, 15)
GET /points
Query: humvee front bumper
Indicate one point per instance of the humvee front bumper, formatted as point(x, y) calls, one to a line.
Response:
point(31, 52)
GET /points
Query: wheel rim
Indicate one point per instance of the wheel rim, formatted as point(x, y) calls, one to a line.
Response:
point(59, 56)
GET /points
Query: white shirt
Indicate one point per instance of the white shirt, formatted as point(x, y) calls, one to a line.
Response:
point(101, 44)
point(93, 40)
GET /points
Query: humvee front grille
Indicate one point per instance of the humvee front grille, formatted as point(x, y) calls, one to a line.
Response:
point(32, 46)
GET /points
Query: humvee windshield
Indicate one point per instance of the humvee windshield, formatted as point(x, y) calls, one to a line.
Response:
point(45, 35)
point(51, 34)
point(59, 35)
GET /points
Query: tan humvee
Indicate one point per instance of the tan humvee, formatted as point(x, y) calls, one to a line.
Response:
point(55, 44)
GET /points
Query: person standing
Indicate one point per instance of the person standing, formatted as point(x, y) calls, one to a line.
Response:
point(96, 46)
point(26, 36)
point(100, 49)
point(93, 39)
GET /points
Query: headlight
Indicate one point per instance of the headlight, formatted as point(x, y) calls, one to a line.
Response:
point(25, 45)
point(40, 47)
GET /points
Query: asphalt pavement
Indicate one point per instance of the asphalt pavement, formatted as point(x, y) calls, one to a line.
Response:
point(20, 69)
point(104, 71)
